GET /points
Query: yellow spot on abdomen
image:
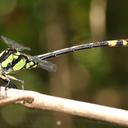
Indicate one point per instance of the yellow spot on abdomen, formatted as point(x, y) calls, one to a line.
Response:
point(125, 43)
point(112, 43)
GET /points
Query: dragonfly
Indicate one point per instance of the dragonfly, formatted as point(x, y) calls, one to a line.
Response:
point(13, 59)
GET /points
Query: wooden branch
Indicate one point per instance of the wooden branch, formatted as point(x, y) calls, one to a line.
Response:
point(41, 101)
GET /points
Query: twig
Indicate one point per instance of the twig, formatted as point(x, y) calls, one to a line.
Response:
point(41, 101)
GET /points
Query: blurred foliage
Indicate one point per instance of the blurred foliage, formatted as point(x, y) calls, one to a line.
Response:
point(102, 72)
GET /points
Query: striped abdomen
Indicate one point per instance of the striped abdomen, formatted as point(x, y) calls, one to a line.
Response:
point(12, 60)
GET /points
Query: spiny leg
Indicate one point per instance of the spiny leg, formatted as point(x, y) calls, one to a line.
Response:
point(14, 78)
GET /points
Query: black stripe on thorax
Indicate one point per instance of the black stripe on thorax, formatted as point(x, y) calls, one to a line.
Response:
point(6, 54)
point(14, 62)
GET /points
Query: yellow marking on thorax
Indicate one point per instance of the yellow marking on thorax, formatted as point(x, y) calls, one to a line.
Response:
point(7, 61)
point(11, 57)
point(34, 66)
point(112, 43)
point(29, 64)
point(16, 55)
point(19, 65)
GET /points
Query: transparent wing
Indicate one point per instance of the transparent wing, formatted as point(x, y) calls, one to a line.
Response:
point(13, 44)
point(45, 64)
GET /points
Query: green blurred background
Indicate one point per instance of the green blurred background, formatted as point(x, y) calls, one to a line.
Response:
point(94, 75)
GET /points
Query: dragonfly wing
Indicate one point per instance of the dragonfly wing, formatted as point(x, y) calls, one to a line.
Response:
point(13, 44)
point(45, 64)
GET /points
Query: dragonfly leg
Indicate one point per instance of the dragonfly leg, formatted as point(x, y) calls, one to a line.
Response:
point(6, 79)
point(8, 83)
point(16, 79)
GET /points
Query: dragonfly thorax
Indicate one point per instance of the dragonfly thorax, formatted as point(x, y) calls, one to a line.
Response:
point(12, 60)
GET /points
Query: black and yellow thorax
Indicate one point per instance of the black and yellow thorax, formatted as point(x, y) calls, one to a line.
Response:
point(12, 60)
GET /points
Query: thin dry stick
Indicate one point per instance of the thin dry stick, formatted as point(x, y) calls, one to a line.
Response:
point(41, 101)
